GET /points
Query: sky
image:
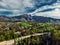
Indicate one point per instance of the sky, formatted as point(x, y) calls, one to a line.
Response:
point(47, 8)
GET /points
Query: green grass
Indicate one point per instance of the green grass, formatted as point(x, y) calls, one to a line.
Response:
point(25, 24)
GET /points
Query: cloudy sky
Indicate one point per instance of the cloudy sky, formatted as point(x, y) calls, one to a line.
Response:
point(47, 8)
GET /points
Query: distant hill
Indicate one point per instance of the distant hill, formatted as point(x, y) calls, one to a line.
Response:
point(28, 18)
point(37, 18)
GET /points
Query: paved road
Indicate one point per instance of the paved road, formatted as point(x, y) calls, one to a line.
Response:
point(11, 42)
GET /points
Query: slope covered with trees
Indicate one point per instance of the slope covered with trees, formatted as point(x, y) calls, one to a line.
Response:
point(13, 30)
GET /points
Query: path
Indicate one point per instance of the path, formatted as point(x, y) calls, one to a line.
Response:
point(11, 42)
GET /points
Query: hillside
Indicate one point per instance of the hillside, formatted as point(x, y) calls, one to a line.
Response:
point(27, 18)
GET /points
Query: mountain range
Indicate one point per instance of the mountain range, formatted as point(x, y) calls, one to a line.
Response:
point(27, 17)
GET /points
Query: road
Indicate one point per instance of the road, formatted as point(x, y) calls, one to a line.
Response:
point(11, 42)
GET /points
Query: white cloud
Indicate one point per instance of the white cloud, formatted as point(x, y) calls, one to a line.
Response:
point(13, 4)
point(3, 10)
point(54, 14)
point(55, 5)
point(3, 4)
point(16, 6)
point(27, 3)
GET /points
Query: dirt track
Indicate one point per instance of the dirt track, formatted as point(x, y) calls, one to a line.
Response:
point(11, 42)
